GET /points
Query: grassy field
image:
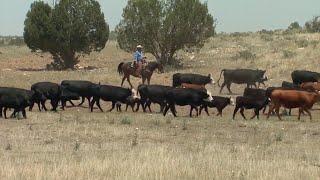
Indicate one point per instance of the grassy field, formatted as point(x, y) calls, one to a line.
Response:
point(77, 144)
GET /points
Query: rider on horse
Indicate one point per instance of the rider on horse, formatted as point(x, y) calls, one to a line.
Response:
point(138, 60)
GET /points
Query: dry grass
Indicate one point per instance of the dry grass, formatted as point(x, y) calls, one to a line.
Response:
point(80, 145)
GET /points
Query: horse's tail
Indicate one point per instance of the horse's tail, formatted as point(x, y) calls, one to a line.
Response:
point(220, 76)
point(120, 70)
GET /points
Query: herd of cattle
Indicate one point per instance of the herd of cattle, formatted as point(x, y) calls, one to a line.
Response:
point(187, 89)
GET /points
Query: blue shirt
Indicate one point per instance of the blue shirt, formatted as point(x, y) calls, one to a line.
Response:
point(138, 56)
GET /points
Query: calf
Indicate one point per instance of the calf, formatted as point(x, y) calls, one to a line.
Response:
point(218, 102)
point(243, 102)
point(110, 93)
point(129, 102)
point(293, 99)
point(183, 97)
point(310, 86)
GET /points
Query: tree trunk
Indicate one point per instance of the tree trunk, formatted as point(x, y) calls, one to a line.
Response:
point(69, 60)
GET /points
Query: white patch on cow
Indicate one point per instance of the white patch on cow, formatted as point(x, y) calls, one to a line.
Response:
point(232, 101)
point(134, 94)
point(211, 79)
point(209, 98)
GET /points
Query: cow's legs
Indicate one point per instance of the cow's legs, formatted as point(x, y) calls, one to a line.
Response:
point(112, 106)
point(222, 86)
point(162, 105)
point(166, 110)
point(82, 100)
point(228, 87)
point(299, 114)
point(39, 107)
point(277, 109)
point(235, 111)
point(191, 109)
point(256, 113)
point(31, 106)
point(5, 112)
point(24, 114)
point(98, 104)
point(307, 110)
point(54, 104)
point(271, 108)
point(219, 112)
point(43, 104)
point(206, 109)
point(242, 114)
point(71, 102)
point(173, 110)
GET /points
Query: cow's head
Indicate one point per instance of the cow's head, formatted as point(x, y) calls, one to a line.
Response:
point(134, 94)
point(211, 79)
point(232, 101)
point(209, 98)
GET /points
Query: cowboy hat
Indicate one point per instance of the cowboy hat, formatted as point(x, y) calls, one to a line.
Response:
point(139, 46)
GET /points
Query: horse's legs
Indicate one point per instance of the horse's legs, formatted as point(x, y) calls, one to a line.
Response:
point(148, 79)
point(143, 80)
point(124, 78)
point(128, 79)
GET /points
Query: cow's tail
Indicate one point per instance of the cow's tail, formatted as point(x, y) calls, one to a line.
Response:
point(120, 70)
point(220, 76)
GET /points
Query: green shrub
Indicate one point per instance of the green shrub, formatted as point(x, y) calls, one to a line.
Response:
point(302, 43)
point(247, 55)
point(126, 120)
point(266, 37)
point(287, 54)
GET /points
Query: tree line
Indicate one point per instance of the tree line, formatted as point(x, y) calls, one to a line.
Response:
point(70, 29)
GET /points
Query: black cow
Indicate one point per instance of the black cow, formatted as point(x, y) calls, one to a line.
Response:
point(153, 94)
point(49, 90)
point(110, 93)
point(301, 76)
point(218, 102)
point(179, 78)
point(243, 102)
point(185, 96)
point(286, 84)
point(241, 76)
point(257, 93)
point(17, 99)
point(81, 88)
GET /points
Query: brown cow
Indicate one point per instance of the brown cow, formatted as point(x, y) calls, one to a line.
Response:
point(193, 86)
point(292, 99)
point(311, 86)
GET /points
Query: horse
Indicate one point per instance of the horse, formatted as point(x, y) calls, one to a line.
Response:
point(125, 69)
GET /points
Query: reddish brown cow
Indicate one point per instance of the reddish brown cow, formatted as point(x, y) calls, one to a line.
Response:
point(193, 86)
point(311, 86)
point(292, 99)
